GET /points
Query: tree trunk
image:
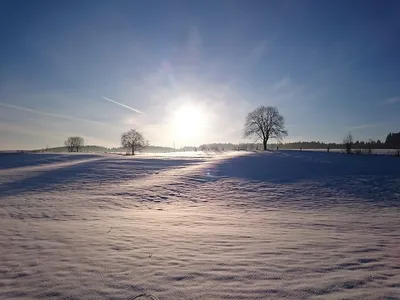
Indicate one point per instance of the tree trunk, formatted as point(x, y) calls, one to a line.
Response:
point(265, 144)
point(133, 151)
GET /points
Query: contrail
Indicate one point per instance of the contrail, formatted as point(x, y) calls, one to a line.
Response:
point(123, 105)
point(46, 113)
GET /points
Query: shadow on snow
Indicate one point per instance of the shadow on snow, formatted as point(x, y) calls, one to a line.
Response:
point(371, 178)
point(292, 166)
point(107, 170)
point(17, 160)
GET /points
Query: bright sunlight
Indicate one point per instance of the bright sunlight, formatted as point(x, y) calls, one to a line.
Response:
point(189, 122)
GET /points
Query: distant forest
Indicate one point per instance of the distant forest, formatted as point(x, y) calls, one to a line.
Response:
point(392, 142)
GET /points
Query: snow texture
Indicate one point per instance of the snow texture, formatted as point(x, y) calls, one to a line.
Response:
point(273, 225)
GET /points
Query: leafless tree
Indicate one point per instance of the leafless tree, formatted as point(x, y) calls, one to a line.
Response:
point(74, 143)
point(69, 144)
point(348, 143)
point(264, 123)
point(78, 143)
point(133, 140)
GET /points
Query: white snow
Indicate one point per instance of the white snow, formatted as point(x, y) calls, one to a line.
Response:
point(274, 225)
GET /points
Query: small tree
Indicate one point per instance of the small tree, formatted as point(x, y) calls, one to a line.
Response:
point(133, 140)
point(74, 142)
point(264, 123)
point(348, 143)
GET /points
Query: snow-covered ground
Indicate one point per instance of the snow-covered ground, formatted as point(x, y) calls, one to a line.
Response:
point(274, 225)
point(392, 152)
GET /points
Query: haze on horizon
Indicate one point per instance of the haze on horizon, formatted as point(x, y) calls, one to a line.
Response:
point(188, 72)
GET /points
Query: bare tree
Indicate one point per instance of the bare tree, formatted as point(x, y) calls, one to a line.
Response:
point(133, 140)
point(69, 144)
point(264, 123)
point(78, 143)
point(74, 142)
point(348, 142)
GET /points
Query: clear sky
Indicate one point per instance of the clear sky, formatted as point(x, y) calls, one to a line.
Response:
point(189, 71)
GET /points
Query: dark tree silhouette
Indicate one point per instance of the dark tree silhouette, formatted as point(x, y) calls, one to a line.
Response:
point(370, 145)
point(74, 142)
point(78, 143)
point(348, 143)
point(264, 123)
point(69, 144)
point(393, 140)
point(133, 140)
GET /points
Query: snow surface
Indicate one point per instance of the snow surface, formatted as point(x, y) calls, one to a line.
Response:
point(363, 151)
point(273, 225)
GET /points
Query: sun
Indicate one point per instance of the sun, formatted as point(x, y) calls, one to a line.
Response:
point(189, 122)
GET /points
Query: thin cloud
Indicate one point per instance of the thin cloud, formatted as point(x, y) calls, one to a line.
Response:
point(47, 113)
point(363, 126)
point(123, 105)
point(392, 100)
point(283, 83)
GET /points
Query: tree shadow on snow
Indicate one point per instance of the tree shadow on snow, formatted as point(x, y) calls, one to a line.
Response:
point(369, 177)
point(17, 160)
point(104, 171)
point(291, 166)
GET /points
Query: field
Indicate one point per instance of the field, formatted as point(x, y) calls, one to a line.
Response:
point(273, 225)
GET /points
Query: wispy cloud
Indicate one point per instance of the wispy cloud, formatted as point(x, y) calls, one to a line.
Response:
point(47, 113)
point(283, 83)
point(363, 126)
point(392, 100)
point(123, 105)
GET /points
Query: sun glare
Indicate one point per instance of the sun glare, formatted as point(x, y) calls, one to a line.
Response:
point(189, 122)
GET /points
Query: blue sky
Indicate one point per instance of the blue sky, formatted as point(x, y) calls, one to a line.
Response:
point(194, 69)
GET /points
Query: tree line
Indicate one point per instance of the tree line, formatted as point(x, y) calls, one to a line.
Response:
point(392, 141)
point(312, 145)
point(261, 125)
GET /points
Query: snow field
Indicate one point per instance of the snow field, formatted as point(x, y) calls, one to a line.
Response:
point(284, 225)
